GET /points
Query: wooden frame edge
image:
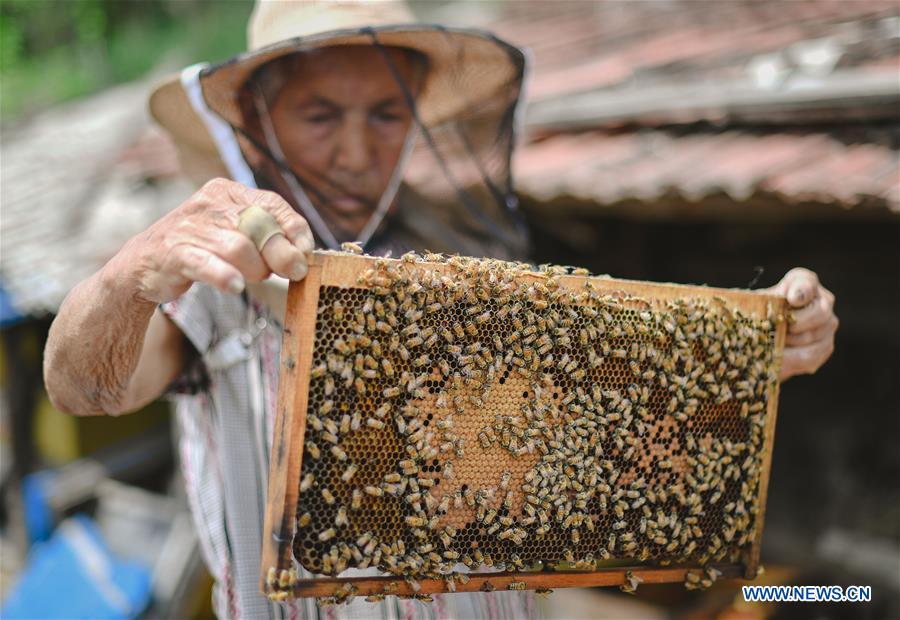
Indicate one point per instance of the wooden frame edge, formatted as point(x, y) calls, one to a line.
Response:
point(752, 563)
point(488, 582)
point(287, 441)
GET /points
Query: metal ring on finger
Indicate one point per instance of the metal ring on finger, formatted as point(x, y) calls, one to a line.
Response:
point(259, 225)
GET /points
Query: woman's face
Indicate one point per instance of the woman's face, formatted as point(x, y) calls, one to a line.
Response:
point(341, 116)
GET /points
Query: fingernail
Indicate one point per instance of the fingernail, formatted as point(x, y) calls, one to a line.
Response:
point(299, 271)
point(236, 285)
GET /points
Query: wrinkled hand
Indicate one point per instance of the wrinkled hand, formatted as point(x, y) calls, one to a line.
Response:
point(810, 335)
point(199, 241)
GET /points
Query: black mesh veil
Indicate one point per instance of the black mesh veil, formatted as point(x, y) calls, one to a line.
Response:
point(451, 188)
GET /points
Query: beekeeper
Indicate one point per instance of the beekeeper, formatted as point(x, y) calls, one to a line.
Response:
point(343, 121)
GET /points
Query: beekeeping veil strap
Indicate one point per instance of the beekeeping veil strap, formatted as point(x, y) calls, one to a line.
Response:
point(451, 189)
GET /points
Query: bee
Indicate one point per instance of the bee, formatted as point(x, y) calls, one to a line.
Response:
point(489, 516)
point(313, 450)
point(307, 482)
point(345, 424)
point(401, 424)
point(673, 405)
point(631, 583)
point(349, 472)
point(392, 478)
point(356, 500)
point(338, 310)
point(447, 471)
point(340, 519)
point(327, 534)
point(363, 542)
point(404, 353)
point(373, 423)
point(304, 520)
point(447, 335)
point(325, 409)
point(446, 423)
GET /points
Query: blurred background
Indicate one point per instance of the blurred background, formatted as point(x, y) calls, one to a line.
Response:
point(698, 142)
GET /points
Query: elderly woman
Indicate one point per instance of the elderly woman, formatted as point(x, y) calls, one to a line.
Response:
point(344, 122)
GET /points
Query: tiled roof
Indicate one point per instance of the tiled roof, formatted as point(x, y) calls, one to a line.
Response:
point(796, 100)
point(609, 167)
point(579, 46)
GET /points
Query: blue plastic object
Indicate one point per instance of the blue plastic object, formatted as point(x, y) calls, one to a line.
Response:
point(9, 315)
point(73, 575)
point(35, 504)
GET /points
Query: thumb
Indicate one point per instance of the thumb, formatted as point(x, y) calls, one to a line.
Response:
point(798, 286)
point(798, 295)
point(800, 292)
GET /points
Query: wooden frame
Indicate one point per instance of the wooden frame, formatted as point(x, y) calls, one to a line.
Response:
point(330, 269)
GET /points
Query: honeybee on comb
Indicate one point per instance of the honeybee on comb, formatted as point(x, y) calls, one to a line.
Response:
point(537, 415)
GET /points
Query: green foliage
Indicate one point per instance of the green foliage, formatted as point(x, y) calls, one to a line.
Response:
point(55, 50)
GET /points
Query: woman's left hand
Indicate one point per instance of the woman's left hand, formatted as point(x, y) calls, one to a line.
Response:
point(810, 335)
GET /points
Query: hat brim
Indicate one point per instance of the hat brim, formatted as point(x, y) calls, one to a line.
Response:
point(466, 67)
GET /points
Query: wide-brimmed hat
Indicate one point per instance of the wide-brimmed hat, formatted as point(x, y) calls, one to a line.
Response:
point(465, 66)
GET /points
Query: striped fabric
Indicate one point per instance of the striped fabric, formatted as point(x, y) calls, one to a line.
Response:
point(225, 405)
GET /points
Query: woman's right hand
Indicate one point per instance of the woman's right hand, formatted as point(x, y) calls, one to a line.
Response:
point(199, 241)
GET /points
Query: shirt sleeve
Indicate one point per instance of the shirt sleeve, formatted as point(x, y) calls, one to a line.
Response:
point(192, 314)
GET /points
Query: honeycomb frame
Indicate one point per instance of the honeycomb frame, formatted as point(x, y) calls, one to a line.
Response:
point(376, 452)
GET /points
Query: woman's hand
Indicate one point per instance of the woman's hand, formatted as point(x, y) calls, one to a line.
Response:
point(810, 335)
point(199, 241)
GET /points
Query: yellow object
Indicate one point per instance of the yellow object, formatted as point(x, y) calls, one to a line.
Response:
point(60, 437)
point(56, 433)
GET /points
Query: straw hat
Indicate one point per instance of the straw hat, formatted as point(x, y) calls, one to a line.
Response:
point(465, 66)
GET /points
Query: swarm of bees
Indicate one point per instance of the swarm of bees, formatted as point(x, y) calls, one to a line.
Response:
point(487, 413)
